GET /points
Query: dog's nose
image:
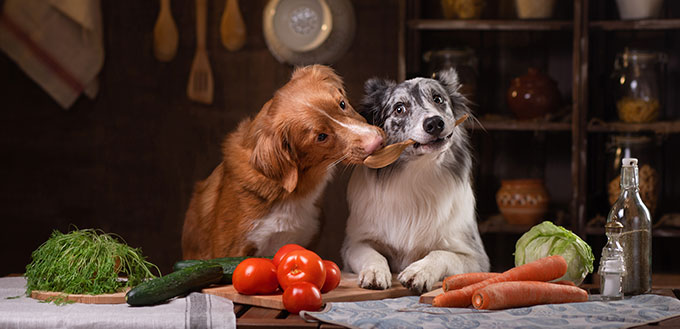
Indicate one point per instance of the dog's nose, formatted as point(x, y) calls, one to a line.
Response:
point(434, 125)
point(373, 144)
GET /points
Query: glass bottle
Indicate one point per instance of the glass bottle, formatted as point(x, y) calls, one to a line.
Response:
point(612, 269)
point(636, 236)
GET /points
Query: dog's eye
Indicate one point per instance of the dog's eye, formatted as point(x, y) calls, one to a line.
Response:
point(437, 99)
point(342, 104)
point(400, 108)
point(321, 137)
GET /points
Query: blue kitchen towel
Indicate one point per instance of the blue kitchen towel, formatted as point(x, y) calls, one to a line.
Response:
point(407, 312)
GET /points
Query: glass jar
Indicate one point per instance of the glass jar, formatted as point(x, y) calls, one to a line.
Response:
point(462, 9)
point(644, 149)
point(463, 60)
point(638, 77)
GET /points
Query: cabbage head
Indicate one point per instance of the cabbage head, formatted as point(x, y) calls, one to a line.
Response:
point(547, 239)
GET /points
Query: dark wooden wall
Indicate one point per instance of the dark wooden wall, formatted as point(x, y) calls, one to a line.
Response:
point(126, 161)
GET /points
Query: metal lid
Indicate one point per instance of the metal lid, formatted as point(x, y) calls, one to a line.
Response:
point(613, 225)
point(640, 55)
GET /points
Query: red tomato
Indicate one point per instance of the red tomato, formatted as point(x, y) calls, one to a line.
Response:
point(283, 251)
point(301, 265)
point(255, 276)
point(302, 296)
point(332, 276)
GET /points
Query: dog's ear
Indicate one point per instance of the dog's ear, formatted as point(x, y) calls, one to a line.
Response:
point(274, 157)
point(449, 79)
point(375, 91)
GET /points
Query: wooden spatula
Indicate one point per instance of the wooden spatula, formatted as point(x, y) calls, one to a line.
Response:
point(391, 153)
point(165, 37)
point(232, 28)
point(200, 87)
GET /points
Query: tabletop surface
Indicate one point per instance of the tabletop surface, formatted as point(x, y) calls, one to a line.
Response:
point(257, 317)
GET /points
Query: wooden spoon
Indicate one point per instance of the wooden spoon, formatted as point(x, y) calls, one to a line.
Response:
point(391, 153)
point(200, 87)
point(232, 28)
point(387, 154)
point(165, 36)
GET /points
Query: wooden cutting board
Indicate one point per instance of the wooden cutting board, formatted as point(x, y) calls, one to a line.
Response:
point(347, 291)
point(427, 297)
point(117, 298)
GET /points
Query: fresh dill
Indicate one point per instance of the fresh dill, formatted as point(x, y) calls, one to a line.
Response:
point(86, 261)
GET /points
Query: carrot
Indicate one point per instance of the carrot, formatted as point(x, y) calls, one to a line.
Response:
point(458, 281)
point(511, 294)
point(544, 269)
point(564, 282)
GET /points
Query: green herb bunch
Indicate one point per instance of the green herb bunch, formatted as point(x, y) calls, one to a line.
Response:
point(86, 261)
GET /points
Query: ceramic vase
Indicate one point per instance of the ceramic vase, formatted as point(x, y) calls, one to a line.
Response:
point(533, 95)
point(522, 201)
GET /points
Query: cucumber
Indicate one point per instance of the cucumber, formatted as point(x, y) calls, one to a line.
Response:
point(177, 283)
point(228, 265)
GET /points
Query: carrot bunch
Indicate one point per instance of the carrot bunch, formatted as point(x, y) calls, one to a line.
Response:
point(524, 285)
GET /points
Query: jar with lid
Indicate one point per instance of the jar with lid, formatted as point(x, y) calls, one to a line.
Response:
point(462, 9)
point(638, 78)
point(463, 60)
point(643, 148)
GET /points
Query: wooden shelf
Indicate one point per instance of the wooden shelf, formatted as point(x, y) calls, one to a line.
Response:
point(489, 25)
point(496, 224)
point(661, 127)
point(645, 24)
point(664, 232)
point(518, 125)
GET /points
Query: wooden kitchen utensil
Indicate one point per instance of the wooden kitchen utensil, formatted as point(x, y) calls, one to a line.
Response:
point(115, 298)
point(200, 87)
point(232, 28)
point(347, 291)
point(387, 155)
point(165, 36)
point(391, 153)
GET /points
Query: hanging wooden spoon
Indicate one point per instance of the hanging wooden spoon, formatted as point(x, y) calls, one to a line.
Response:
point(165, 36)
point(232, 28)
point(391, 153)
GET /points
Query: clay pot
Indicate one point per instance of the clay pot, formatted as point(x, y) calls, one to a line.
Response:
point(533, 95)
point(522, 201)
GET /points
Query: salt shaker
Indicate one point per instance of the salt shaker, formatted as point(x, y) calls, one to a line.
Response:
point(612, 268)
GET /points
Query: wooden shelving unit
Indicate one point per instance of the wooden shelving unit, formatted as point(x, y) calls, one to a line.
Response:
point(587, 20)
point(488, 25)
point(638, 25)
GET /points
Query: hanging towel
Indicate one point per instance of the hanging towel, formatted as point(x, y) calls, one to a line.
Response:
point(58, 43)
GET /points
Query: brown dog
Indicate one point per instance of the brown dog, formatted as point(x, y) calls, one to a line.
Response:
point(264, 194)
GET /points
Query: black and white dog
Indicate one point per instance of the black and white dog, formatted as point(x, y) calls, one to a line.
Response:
point(415, 217)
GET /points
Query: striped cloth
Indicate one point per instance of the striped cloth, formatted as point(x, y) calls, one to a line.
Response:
point(197, 310)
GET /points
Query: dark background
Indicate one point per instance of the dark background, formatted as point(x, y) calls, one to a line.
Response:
point(126, 161)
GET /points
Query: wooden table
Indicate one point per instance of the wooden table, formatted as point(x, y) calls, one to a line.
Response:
point(257, 317)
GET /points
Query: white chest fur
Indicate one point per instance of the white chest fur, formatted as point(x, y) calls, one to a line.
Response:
point(295, 221)
point(416, 209)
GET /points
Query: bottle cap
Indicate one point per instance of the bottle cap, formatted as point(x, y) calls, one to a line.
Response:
point(629, 162)
point(614, 226)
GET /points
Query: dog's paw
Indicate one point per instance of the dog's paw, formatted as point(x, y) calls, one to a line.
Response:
point(418, 277)
point(375, 277)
